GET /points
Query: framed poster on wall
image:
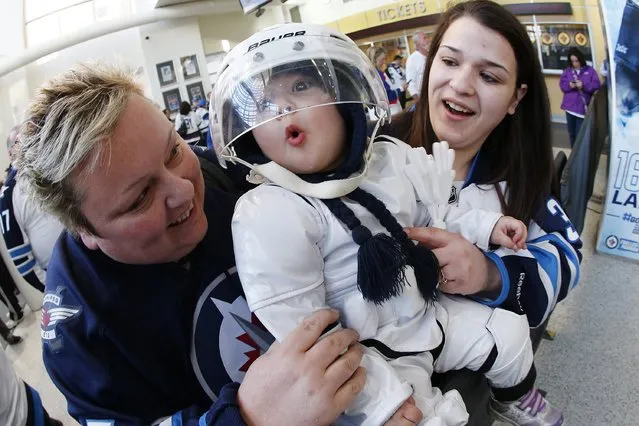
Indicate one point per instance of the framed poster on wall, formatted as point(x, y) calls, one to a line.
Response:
point(196, 92)
point(553, 40)
point(172, 99)
point(166, 73)
point(190, 68)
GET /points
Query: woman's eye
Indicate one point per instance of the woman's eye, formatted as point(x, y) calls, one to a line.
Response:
point(175, 153)
point(301, 85)
point(140, 200)
point(449, 62)
point(489, 78)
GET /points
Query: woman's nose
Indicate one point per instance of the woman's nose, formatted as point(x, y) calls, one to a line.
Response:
point(180, 191)
point(461, 82)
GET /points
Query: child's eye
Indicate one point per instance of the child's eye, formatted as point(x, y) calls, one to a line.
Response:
point(265, 104)
point(301, 85)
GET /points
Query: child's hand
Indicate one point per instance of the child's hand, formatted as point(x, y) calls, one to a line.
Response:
point(406, 415)
point(510, 233)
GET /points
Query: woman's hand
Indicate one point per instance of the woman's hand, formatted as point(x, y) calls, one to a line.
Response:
point(302, 381)
point(465, 268)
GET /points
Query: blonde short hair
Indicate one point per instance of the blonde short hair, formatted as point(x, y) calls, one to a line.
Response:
point(373, 52)
point(67, 128)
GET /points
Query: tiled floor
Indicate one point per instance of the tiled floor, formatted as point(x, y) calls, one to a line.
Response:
point(587, 371)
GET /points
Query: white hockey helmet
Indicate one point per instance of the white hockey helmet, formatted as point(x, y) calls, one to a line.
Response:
point(331, 59)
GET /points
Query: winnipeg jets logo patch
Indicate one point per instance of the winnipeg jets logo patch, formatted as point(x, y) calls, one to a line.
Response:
point(53, 313)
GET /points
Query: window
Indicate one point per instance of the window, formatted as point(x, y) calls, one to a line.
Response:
point(47, 20)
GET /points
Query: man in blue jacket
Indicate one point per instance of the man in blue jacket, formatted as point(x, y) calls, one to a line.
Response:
point(144, 320)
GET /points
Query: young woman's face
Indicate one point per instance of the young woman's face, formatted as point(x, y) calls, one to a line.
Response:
point(379, 61)
point(310, 140)
point(574, 62)
point(471, 85)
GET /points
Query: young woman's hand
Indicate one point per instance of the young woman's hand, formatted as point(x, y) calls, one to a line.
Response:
point(302, 381)
point(466, 270)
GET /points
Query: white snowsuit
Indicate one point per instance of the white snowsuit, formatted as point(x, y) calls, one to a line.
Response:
point(295, 257)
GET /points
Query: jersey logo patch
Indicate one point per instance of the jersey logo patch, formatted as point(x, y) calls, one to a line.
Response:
point(53, 313)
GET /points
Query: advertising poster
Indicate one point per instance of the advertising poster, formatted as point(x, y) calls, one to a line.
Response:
point(619, 228)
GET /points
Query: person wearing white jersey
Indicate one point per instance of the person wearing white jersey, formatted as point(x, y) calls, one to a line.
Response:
point(20, 404)
point(416, 63)
point(325, 228)
point(187, 124)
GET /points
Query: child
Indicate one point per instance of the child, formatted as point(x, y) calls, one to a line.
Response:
point(326, 227)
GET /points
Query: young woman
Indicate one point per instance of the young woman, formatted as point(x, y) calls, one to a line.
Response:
point(578, 82)
point(484, 94)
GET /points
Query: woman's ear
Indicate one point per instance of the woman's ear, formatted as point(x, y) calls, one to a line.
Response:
point(519, 95)
point(90, 241)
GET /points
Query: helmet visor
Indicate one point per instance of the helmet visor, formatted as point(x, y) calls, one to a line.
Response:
point(252, 95)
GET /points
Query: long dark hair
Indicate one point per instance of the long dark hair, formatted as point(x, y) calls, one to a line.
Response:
point(573, 51)
point(519, 149)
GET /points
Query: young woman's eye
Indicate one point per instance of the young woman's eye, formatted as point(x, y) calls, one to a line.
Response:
point(488, 78)
point(301, 85)
point(449, 62)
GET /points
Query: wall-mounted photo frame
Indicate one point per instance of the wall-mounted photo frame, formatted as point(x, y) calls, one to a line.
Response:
point(196, 92)
point(166, 73)
point(190, 67)
point(172, 99)
point(553, 40)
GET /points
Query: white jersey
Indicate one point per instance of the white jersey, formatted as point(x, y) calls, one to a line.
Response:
point(415, 65)
point(192, 122)
point(294, 257)
point(397, 77)
point(41, 228)
point(13, 395)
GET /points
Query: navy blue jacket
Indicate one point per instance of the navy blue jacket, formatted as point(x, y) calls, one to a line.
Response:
point(133, 344)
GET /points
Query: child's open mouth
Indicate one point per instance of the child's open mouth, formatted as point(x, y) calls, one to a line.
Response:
point(294, 135)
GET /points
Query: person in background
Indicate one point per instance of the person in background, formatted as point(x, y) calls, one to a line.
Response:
point(6, 283)
point(416, 62)
point(187, 124)
point(29, 232)
point(203, 111)
point(377, 56)
point(578, 82)
point(20, 404)
point(167, 114)
point(397, 75)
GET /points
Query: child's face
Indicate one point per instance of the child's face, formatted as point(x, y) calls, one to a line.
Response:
point(307, 141)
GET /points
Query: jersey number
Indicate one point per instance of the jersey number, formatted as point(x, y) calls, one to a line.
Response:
point(555, 209)
point(5, 224)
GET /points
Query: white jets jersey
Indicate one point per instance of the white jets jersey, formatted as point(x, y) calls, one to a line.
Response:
point(295, 257)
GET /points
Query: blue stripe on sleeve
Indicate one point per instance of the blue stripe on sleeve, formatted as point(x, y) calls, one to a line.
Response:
point(566, 250)
point(505, 282)
point(176, 419)
point(20, 251)
point(548, 262)
point(26, 267)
